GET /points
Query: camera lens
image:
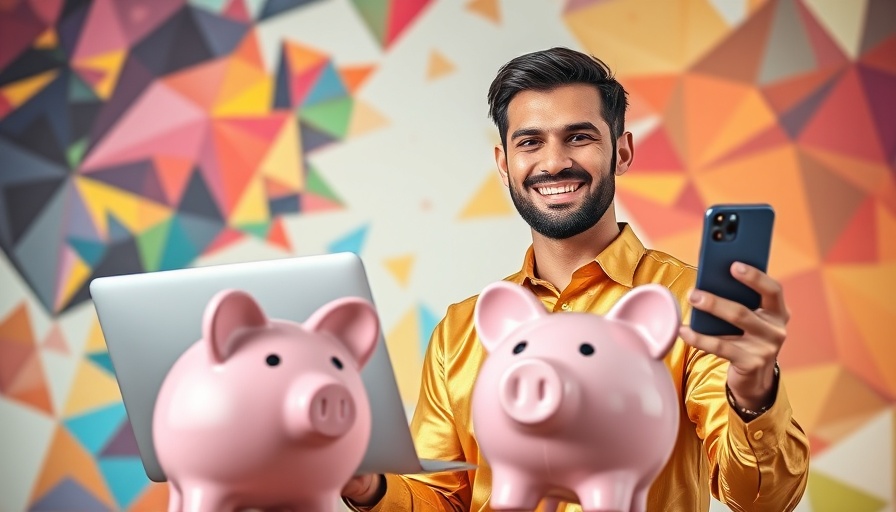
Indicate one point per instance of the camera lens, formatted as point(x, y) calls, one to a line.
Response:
point(716, 234)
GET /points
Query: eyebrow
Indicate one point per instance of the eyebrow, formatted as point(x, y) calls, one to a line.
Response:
point(574, 127)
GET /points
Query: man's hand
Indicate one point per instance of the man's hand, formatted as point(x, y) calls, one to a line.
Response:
point(363, 490)
point(751, 374)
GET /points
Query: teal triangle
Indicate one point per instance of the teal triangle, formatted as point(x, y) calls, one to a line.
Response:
point(95, 428)
point(352, 242)
point(117, 231)
point(215, 6)
point(427, 321)
point(102, 360)
point(328, 86)
point(179, 249)
point(78, 91)
point(125, 477)
point(201, 231)
point(90, 251)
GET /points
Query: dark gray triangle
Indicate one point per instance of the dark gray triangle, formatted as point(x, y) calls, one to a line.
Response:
point(24, 202)
point(879, 23)
point(274, 7)
point(312, 138)
point(67, 496)
point(29, 63)
point(197, 199)
point(281, 91)
point(41, 124)
point(120, 258)
point(794, 120)
point(221, 34)
point(70, 24)
point(132, 81)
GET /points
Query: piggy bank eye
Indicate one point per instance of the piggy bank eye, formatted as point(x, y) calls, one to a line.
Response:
point(273, 360)
point(586, 349)
point(519, 347)
point(336, 362)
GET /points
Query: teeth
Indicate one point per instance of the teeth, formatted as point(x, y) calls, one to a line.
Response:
point(547, 191)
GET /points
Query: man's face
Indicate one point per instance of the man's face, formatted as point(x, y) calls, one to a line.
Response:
point(559, 163)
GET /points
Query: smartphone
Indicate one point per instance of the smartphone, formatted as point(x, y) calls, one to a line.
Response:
point(731, 232)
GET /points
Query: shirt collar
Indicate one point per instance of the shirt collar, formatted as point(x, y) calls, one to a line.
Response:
point(619, 260)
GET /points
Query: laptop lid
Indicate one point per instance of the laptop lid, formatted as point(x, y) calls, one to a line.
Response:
point(150, 319)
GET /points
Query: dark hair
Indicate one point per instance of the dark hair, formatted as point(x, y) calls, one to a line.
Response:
point(544, 70)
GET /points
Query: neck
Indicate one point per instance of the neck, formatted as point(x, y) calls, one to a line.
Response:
point(556, 260)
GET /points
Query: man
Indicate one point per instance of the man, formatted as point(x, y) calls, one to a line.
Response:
point(561, 117)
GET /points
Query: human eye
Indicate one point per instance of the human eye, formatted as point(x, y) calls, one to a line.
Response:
point(580, 137)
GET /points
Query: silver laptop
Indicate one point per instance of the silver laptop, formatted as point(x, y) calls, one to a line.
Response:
point(150, 319)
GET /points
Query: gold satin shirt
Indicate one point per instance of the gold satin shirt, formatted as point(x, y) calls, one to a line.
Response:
point(761, 465)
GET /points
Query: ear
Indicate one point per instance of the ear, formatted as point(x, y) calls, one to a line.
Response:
point(625, 153)
point(501, 161)
point(501, 308)
point(227, 313)
point(351, 320)
point(653, 312)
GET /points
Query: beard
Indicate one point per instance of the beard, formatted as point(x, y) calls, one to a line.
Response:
point(567, 220)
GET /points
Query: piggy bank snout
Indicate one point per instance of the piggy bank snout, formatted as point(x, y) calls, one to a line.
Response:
point(320, 408)
point(531, 392)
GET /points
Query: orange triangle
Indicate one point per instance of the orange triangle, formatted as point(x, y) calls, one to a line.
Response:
point(174, 174)
point(886, 234)
point(55, 341)
point(684, 245)
point(659, 221)
point(30, 386)
point(774, 137)
point(274, 188)
point(872, 177)
point(784, 95)
point(849, 397)
point(439, 66)
point(47, 40)
point(656, 90)
point(249, 51)
point(302, 58)
point(857, 242)
point(13, 357)
point(66, 458)
point(16, 327)
point(488, 9)
point(155, 497)
point(708, 106)
point(400, 268)
point(277, 235)
point(854, 354)
point(810, 336)
point(490, 200)
point(808, 389)
point(200, 84)
point(355, 76)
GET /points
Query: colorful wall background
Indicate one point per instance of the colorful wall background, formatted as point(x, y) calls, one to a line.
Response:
point(140, 135)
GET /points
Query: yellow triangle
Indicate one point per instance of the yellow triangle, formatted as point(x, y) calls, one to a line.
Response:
point(400, 267)
point(663, 188)
point(252, 100)
point(439, 66)
point(110, 64)
point(489, 201)
point(404, 350)
point(96, 342)
point(809, 390)
point(21, 91)
point(77, 275)
point(252, 207)
point(365, 119)
point(827, 494)
point(91, 388)
point(47, 40)
point(283, 163)
point(489, 9)
point(135, 212)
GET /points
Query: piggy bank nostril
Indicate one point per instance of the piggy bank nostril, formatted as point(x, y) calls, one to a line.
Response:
point(542, 384)
point(323, 408)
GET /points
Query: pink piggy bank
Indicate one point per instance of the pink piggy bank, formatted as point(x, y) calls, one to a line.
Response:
point(575, 406)
point(264, 413)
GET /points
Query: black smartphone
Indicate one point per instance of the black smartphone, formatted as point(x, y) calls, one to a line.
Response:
point(731, 232)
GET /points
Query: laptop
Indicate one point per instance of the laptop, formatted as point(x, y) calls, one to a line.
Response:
point(150, 319)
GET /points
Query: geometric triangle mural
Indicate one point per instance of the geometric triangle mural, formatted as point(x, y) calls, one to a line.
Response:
point(137, 139)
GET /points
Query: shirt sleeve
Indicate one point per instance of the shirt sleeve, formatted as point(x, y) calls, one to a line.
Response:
point(435, 437)
point(760, 465)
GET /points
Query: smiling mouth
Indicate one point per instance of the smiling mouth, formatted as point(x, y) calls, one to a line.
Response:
point(557, 190)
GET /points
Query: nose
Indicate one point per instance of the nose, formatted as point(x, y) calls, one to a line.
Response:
point(320, 407)
point(556, 158)
point(531, 392)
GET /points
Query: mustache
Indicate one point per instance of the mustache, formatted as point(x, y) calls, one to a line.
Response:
point(567, 174)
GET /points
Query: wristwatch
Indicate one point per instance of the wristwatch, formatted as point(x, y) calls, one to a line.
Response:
point(748, 414)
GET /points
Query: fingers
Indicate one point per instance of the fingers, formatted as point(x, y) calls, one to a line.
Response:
point(737, 314)
point(769, 289)
point(747, 357)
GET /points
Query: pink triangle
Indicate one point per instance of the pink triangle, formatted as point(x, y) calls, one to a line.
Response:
point(827, 51)
point(237, 11)
point(47, 10)
point(55, 341)
point(139, 17)
point(102, 31)
point(157, 114)
point(575, 5)
point(843, 122)
point(225, 238)
point(656, 153)
point(401, 14)
point(315, 203)
point(123, 444)
point(857, 243)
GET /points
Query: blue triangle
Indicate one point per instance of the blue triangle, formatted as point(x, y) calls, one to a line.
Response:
point(102, 360)
point(427, 322)
point(329, 86)
point(95, 428)
point(117, 231)
point(91, 251)
point(352, 242)
point(125, 477)
point(179, 250)
point(68, 495)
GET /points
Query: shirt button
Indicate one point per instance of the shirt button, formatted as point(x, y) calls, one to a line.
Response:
point(757, 435)
point(565, 306)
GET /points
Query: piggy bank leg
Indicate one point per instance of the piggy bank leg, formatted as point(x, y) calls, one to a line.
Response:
point(607, 492)
point(639, 500)
point(201, 497)
point(175, 500)
point(513, 490)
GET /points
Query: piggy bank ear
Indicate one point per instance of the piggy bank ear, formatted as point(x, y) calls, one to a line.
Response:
point(653, 312)
point(229, 312)
point(353, 321)
point(501, 308)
